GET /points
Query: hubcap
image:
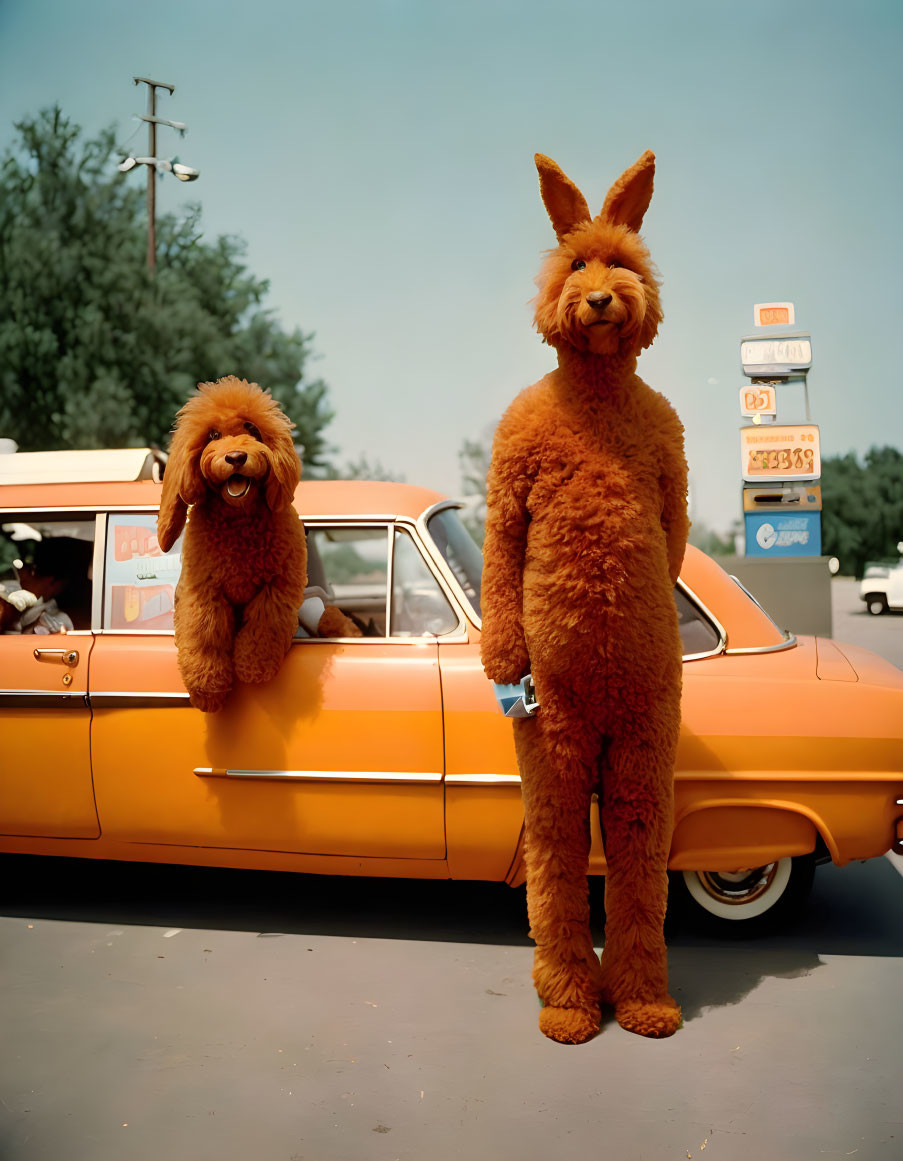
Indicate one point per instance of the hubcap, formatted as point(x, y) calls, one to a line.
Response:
point(738, 887)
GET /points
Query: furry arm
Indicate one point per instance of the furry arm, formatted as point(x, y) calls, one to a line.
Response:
point(502, 645)
point(673, 485)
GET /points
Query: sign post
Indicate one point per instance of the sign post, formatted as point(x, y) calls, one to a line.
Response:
point(780, 465)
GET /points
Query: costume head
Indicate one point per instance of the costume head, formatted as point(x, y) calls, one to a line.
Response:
point(598, 291)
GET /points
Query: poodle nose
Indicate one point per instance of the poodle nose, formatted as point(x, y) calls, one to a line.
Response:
point(598, 299)
point(236, 459)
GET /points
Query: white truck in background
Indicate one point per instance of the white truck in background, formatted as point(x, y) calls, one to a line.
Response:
point(881, 588)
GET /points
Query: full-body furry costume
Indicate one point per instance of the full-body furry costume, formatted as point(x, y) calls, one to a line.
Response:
point(585, 535)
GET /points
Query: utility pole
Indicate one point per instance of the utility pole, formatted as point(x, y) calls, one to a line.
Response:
point(151, 118)
point(156, 164)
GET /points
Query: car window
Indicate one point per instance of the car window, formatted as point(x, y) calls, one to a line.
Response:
point(349, 567)
point(697, 633)
point(139, 579)
point(45, 575)
point(419, 606)
point(460, 551)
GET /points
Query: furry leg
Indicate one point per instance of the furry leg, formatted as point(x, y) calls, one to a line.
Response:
point(556, 782)
point(270, 622)
point(204, 630)
point(637, 805)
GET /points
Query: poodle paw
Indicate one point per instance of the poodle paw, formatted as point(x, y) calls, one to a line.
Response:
point(208, 701)
point(569, 1025)
point(656, 1018)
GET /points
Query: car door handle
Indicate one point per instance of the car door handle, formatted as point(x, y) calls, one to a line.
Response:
point(61, 656)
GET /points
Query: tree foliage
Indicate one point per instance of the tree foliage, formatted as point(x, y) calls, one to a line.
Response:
point(862, 517)
point(94, 351)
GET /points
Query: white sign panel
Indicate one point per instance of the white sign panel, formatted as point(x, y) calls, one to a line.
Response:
point(775, 356)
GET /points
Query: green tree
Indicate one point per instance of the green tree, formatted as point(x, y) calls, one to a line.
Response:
point(94, 352)
point(862, 517)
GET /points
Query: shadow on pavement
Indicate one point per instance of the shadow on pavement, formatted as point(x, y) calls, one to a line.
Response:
point(855, 910)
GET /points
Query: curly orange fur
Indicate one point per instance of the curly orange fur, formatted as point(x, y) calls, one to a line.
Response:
point(585, 535)
point(244, 557)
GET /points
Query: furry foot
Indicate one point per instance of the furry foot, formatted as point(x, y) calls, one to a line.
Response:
point(569, 1025)
point(208, 701)
point(657, 1019)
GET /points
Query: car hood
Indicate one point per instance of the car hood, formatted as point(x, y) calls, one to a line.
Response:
point(840, 661)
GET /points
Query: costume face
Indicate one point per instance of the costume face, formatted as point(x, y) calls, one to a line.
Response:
point(598, 292)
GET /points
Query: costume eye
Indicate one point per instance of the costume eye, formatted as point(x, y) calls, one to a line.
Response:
point(213, 434)
point(578, 264)
point(253, 432)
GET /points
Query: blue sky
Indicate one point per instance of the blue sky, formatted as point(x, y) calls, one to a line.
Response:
point(378, 159)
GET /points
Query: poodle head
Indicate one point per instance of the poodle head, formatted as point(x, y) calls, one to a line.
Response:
point(598, 290)
point(232, 445)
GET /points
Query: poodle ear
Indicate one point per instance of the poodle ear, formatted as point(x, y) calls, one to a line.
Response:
point(629, 197)
point(182, 485)
point(285, 472)
point(565, 203)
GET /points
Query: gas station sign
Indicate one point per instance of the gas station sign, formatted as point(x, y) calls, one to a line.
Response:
point(775, 453)
point(758, 399)
point(770, 314)
point(777, 355)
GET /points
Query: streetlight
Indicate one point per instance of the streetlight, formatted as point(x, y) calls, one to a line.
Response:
point(156, 164)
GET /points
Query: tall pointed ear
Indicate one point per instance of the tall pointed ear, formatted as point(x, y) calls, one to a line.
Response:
point(285, 472)
point(182, 485)
point(565, 203)
point(629, 197)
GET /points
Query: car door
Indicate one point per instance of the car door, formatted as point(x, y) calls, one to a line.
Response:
point(341, 754)
point(45, 768)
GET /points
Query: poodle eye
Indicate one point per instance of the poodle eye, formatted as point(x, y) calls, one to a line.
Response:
point(253, 432)
point(578, 264)
point(213, 434)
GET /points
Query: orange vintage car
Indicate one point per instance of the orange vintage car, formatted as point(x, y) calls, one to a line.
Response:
point(387, 754)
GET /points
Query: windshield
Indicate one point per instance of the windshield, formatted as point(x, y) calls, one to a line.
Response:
point(460, 552)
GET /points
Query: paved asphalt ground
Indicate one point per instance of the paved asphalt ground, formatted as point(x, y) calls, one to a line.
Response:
point(177, 1013)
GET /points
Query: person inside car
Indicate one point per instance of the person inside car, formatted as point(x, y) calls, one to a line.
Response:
point(52, 572)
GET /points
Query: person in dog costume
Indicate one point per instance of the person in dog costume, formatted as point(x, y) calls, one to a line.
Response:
point(585, 534)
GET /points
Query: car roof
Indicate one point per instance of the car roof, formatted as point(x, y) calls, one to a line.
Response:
point(59, 482)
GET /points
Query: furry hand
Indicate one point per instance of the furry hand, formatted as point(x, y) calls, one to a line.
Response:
point(507, 662)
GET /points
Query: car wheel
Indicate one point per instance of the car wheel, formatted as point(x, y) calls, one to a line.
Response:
point(876, 603)
point(747, 902)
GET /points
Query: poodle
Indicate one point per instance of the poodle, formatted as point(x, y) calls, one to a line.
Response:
point(585, 535)
point(244, 559)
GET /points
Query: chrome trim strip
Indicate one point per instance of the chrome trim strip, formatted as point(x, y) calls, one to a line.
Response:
point(482, 780)
point(390, 574)
point(42, 698)
point(129, 699)
point(97, 571)
point(53, 509)
point(789, 643)
point(710, 616)
point(401, 776)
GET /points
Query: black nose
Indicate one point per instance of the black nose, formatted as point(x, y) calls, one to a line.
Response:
point(598, 300)
point(236, 459)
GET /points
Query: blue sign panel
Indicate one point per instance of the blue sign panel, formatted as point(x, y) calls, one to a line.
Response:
point(774, 534)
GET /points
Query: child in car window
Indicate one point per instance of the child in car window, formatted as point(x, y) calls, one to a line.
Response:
point(52, 568)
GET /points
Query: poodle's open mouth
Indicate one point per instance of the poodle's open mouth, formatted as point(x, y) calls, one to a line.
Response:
point(237, 487)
